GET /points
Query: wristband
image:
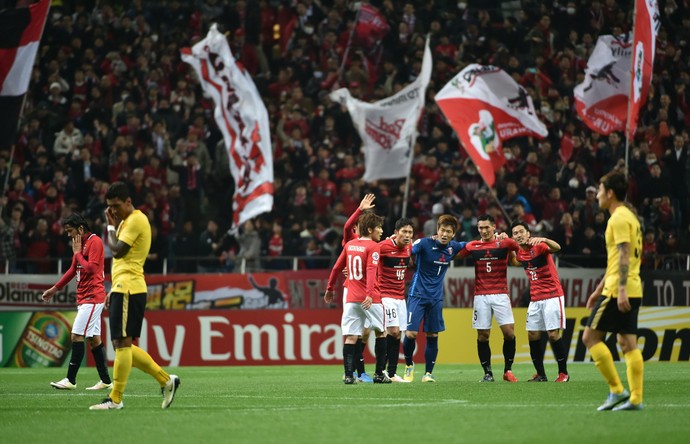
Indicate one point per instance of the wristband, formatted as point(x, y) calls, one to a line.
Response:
point(111, 228)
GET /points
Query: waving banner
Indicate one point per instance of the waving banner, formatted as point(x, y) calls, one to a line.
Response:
point(19, 40)
point(601, 100)
point(647, 24)
point(388, 126)
point(371, 26)
point(242, 118)
point(485, 106)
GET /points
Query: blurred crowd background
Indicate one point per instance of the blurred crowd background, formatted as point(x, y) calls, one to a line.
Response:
point(111, 100)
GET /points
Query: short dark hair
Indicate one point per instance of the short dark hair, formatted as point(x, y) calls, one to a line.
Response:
point(617, 183)
point(488, 217)
point(75, 220)
point(517, 223)
point(368, 221)
point(118, 190)
point(403, 222)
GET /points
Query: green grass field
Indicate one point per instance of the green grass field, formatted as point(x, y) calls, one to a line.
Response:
point(311, 405)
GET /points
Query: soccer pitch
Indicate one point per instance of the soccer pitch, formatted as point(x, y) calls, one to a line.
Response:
point(310, 404)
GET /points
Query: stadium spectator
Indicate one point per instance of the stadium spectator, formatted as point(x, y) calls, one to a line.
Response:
point(116, 74)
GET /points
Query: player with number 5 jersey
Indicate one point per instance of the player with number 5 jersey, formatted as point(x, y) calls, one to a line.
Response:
point(491, 255)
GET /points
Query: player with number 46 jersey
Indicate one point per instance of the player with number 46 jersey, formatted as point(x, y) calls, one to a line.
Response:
point(395, 259)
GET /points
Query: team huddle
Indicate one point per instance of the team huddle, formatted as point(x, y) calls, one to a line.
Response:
point(374, 295)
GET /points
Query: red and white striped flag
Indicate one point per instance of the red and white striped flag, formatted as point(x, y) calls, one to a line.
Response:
point(485, 106)
point(647, 24)
point(387, 127)
point(601, 100)
point(242, 118)
point(21, 33)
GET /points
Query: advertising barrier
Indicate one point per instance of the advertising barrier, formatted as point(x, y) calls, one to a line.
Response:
point(304, 289)
point(292, 337)
point(280, 290)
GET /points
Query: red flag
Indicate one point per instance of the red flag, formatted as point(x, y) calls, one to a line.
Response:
point(566, 149)
point(644, 43)
point(485, 106)
point(19, 40)
point(371, 26)
point(22, 30)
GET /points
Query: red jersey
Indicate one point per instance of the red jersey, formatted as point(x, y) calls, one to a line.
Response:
point(541, 272)
point(361, 256)
point(394, 262)
point(490, 264)
point(349, 227)
point(87, 266)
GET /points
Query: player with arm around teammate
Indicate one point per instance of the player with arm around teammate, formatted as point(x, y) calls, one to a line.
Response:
point(432, 256)
point(491, 255)
point(615, 303)
point(129, 239)
point(395, 259)
point(362, 297)
point(87, 265)
point(546, 311)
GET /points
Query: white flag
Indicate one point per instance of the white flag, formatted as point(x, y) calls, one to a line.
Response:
point(388, 126)
point(485, 106)
point(243, 120)
point(601, 100)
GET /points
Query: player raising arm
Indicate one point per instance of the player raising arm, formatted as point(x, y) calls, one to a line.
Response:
point(129, 238)
point(87, 265)
point(362, 297)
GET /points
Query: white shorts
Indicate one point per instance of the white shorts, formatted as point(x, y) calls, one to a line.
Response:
point(354, 318)
point(395, 311)
point(486, 306)
point(367, 322)
point(88, 320)
point(546, 315)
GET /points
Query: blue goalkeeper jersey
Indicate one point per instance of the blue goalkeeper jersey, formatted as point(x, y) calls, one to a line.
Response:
point(432, 260)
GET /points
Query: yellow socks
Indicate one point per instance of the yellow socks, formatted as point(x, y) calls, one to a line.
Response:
point(144, 362)
point(121, 370)
point(604, 362)
point(635, 370)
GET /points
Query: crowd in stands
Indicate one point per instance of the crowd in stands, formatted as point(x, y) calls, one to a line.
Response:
point(110, 99)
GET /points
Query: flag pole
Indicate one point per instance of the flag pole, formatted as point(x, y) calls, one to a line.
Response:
point(630, 93)
point(9, 162)
point(349, 44)
point(406, 194)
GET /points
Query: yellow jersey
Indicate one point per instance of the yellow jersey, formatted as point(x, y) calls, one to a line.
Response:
point(128, 271)
point(623, 226)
